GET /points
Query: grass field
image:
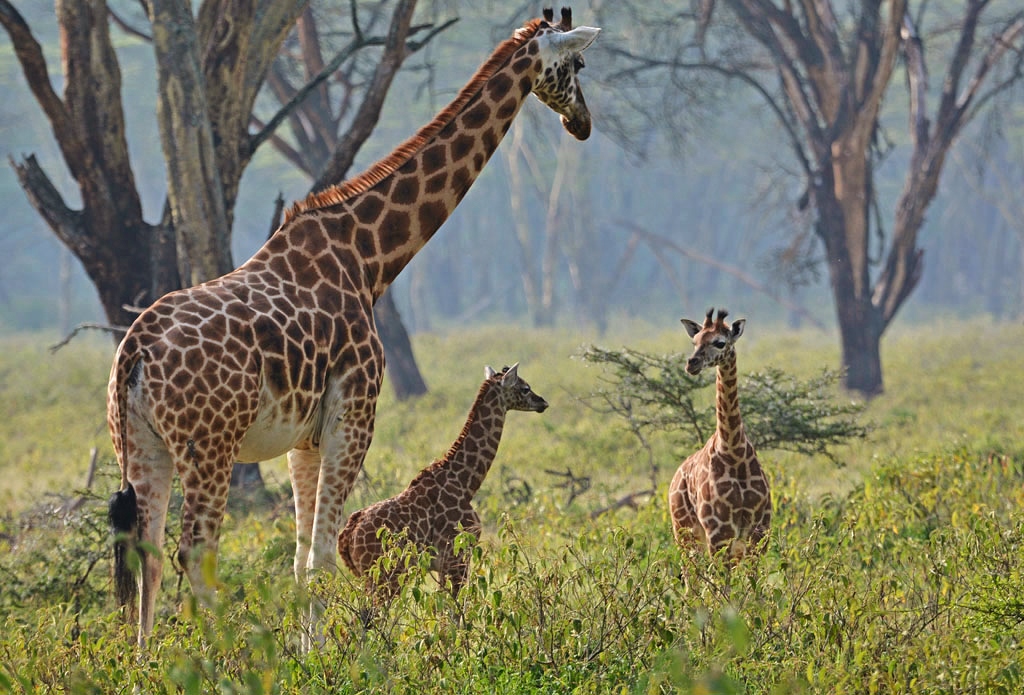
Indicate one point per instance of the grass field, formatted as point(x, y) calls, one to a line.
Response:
point(898, 571)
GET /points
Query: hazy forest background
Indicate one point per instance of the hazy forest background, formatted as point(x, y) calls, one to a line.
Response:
point(717, 190)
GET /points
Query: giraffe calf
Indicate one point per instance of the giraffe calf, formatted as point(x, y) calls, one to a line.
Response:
point(438, 502)
point(720, 495)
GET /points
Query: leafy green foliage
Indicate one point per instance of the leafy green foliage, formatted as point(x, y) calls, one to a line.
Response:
point(909, 583)
point(905, 580)
point(780, 411)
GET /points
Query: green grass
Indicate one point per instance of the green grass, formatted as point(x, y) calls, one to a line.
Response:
point(898, 572)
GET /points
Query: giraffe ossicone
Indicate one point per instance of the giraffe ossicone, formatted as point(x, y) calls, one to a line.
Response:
point(719, 495)
point(282, 354)
point(438, 503)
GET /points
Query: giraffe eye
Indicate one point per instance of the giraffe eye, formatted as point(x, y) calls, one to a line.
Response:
point(577, 63)
point(718, 343)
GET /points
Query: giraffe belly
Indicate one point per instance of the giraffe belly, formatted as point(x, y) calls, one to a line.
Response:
point(274, 433)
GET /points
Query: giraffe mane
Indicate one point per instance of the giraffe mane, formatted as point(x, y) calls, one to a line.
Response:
point(470, 419)
point(379, 171)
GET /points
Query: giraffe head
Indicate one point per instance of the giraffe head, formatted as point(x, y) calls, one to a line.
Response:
point(561, 54)
point(712, 341)
point(515, 393)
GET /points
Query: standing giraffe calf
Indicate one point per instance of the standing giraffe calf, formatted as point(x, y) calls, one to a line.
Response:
point(720, 494)
point(440, 498)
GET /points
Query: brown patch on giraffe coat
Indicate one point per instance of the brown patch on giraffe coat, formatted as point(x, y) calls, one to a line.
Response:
point(366, 242)
point(498, 86)
point(435, 158)
point(523, 64)
point(462, 146)
point(394, 231)
point(476, 117)
point(406, 191)
point(462, 179)
point(431, 215)
point(369, 209)
point(508, 108)
point(435, 184)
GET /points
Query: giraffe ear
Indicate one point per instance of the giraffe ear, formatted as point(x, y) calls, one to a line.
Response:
point(511, 376)
point(488, 372)
point(574, 41)
point(692, 327)
point(737, 328)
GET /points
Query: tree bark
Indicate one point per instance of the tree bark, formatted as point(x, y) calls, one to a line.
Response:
point(107, 234)
point(405, 377)
point(195, 190)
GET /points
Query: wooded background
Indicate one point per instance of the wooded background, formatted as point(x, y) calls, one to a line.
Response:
point(826, 162)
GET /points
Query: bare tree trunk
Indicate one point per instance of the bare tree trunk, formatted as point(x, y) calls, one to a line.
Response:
point(406, 379)
point(195, 190)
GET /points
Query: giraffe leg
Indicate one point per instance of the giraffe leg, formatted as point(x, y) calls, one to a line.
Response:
point(345, 439)
point(205, 489)
point(304, 471)
point(150, 472)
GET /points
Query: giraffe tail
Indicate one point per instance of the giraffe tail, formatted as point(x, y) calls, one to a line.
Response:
point(123, 515)
point(123, 508)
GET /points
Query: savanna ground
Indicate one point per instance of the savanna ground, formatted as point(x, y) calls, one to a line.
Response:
point(899, 571)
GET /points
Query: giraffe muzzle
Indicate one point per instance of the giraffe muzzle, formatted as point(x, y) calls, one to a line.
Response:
point(578, 127)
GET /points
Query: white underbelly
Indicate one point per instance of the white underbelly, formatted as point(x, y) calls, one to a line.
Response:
point(269, 437)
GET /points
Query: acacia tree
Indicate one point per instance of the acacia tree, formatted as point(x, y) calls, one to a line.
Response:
point(825, 76)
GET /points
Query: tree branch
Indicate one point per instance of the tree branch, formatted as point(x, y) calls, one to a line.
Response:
point(760, 18)
point(358, 43)
point(660, 241)
point(128, 28)
point(395, 52)
point(33, 65)
point(996, 50)
point(300, 95)
point(949, 114)
point(917, 83)
point(730, 72)
point(47, 200)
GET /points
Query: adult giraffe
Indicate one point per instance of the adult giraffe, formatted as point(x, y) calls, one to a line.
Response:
point(282, 355)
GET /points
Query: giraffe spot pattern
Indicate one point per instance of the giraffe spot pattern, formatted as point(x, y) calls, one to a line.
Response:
point(405, 191)
point(291, 326)
point(369, 209)
point(462, 146)
point(720, 492)
point(439, 498)
point(394, 231)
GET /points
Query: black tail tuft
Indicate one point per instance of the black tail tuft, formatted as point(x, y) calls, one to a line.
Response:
point(123, 515)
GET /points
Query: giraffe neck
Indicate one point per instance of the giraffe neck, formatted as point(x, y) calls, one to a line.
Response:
point(446, 167)
point(471, 455)
point(727, 404)
point(386, 215)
